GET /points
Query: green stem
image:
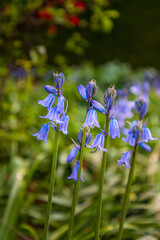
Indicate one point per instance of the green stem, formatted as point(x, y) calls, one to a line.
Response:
point(75, 195)
point(128, 190)
point(101, 182)
point(51, 187)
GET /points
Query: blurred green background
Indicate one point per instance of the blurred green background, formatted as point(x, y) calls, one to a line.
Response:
point(114, 42)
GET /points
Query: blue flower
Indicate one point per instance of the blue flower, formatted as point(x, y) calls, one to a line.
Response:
point(74, 173)
point(98, 142)
point(60, 106)
point(113, 128)
point(64, 125)
point(91, 119)
point(144, 146)
point(98, 106)
point(72, 154)
point(50, 89)
point(53, 115)
point(146, 135)
point(58, 79)
point(125, 159)
point(141, 106)
point(43, 133)
point(110, 97)
point(88, 92)
point(131, 134)
point(48, 101)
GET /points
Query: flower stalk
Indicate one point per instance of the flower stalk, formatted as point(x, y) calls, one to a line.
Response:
point(127, 193)
point(51, 187)
point(101, 182)
point(75, 195)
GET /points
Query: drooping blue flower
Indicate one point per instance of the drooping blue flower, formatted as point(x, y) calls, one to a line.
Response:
point(88, 139)
point(98, 106)
point(48, 101)
point(114, 128)
point(146, 135)
point(74, 173)
point(98, 142)
point(43, 133)
point(72, 154)
point(88, 92)
point(91, 119)
point(131, 134)
point(53, 115)
point(144, 146)
point(125, 159)
point(64, 125)
point(60, 106)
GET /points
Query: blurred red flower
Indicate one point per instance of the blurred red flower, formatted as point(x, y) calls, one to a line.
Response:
point(80, 5)
point(74, 20)
point(44, 14)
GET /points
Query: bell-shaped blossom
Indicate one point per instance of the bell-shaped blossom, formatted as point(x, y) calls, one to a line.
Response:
point(98, 142)
point(48, 101)
point(147, 136)
point(125, 159)
point(60, 106)
point(43, 133)
point(53, 115)
point(88, 139)
point(144, 146)
point(98, 106)
point(50, 89)
point(114, 128)
point(72, 154)
point(88, 92)
point(64, 125)
point(91, 119)
point(74, 173)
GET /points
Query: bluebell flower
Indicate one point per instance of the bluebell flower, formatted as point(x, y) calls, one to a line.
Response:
point(88, 92)
point(123, 111)
point(50, 89)
point(64, 125)
point(125, 159)
point(98, 106)
point(48, 101)
point(141, 106)
point(131, 134)
point(114, 128)
point(74, 173)
point(110, 97)
point(144, 146)
point(146, 135)
point(91, 119)
point(72, 154)
point(88, 137)
point(60, 106)
point(58, 79)
point(53, 115)
point(43, 133)
point(98, 142)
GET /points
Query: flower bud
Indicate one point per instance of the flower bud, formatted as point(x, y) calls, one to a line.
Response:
point(141, 106)
point(58, 79)
point(109, 97)
point(94, 86)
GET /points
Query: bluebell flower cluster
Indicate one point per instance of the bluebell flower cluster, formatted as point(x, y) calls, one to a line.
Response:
point(57, 115)
point(138, 134)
